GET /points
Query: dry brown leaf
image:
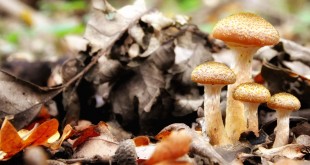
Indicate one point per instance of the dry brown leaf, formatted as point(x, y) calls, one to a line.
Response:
point(103, 146)
point(291, 151)
point(171, 148)
point(22, 99)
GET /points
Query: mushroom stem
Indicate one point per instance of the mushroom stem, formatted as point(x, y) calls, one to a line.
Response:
point(251, 115)
point(282, 130)
point(235, 114)
point(214, 126)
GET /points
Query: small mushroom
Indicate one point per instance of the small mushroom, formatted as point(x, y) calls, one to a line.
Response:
point(284, 104)
point(251, 94)
point(214, 76)
point(244, 33)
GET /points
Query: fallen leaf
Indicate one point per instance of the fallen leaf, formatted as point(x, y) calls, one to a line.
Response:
point(67, 132)
point(107, 70)
point(185, 105)
point(40, 118)
point(190, 51)
point(153, 102)
point(291, 65)
point(100, 35)
point(10, 141)
point(22, 99)
point(297, 52)
point(42, 133)
point(162, 135)
point(199, 145)
point(171, 148)
point(85, 134)
point(141, 141)
point(157, 20)
point(103, 145)
point(291, 151)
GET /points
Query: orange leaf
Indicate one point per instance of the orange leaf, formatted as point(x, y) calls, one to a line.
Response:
point(162, 135)
point(67, 132)
point(10, 142)
point(87, 133)
point(174, 146)
point(42, 133)
point(141, 141)
point(41, 118)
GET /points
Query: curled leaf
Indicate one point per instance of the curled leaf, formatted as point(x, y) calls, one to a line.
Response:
point(42, 133)
point(171, 148)
point(141, 141)
point(10, 142)
point(87, 133)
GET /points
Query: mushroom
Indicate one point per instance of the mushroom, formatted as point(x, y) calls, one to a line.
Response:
point(251, 94)
point(214, 76)
point(284, 104)
point(244, 33)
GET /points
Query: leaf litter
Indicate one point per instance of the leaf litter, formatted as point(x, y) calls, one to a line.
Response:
point(136, 68)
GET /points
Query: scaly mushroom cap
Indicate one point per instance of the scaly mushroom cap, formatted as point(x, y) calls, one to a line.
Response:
point(251, 92)
point(213, 73)
point(283, 102)
point(246, 29)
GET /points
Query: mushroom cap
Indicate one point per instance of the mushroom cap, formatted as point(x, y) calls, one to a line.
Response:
point(283, 102)
point(213, 73)
point(246, 29)
point(251, 92)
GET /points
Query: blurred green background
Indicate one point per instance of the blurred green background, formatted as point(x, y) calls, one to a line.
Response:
point(21, 36)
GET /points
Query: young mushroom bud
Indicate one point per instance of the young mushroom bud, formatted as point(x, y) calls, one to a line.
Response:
point(284, 104)
point(244, 33)
point(214, 76)
point(251, 94)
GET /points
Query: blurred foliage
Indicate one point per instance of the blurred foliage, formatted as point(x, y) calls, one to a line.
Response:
point(62, 6)
point(291, 18)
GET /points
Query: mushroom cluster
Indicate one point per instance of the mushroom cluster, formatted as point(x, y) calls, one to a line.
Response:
point(244, 33)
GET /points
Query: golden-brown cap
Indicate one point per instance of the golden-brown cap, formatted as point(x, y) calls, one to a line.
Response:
point(246, 29)
point(251, 92)
point(213, 73)
point(283, 101)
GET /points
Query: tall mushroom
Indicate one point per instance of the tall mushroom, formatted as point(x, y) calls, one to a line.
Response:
point(284, 104)
point(214, 76)
point(251, 94)
point(244, 33)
